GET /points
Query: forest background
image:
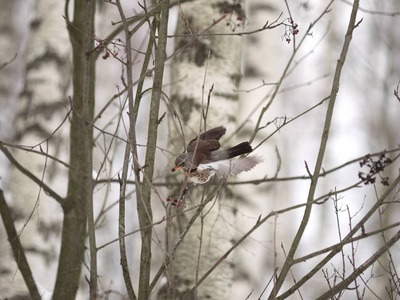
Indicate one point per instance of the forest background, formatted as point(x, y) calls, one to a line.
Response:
point(99, 97)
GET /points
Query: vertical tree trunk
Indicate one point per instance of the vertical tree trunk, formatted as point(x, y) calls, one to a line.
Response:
point(34, 106)
point(144, 204)
point(9, 81)
point(75, 211)
point(219, 59)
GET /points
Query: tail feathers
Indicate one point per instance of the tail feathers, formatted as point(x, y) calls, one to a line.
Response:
point(239, 149)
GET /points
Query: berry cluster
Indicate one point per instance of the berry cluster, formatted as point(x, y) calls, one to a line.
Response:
point(240, 16)
point(375, 167)
point(175, 202)
point(117, 43)
point(291, 29)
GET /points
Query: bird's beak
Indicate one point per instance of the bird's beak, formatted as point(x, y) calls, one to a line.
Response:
point(175, 168)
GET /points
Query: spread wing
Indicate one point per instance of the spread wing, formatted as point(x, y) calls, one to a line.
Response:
point(231, 167)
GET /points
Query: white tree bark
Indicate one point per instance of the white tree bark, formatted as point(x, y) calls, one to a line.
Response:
point(12, 39)
point(222, 70)
point(41, 105)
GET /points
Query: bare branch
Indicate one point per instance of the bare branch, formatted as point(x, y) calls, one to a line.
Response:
point(17, 248)
point(30, 175)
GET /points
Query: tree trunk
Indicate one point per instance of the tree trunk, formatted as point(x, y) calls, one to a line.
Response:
point(36, 104)
point(219, 59)
point(76, 208)
point(11, 283)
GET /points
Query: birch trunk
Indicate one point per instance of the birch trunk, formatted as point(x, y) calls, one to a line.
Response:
point(219, 59)
point(36, 105)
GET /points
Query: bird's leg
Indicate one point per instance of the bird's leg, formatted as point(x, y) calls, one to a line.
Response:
point(180, 202)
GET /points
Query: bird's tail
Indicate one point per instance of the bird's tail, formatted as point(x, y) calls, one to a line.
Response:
point(239, 149)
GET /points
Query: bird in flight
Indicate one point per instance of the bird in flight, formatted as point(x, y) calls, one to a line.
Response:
point(204, 158)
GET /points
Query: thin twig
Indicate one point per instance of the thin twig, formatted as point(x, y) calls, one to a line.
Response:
point(30, 175)
point(346, 240)
point(361, 269)
point(321, 153)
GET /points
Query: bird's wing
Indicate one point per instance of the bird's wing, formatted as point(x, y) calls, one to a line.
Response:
point(212, 134)
point(202, 152)
point(231, 167)
point(206, 142)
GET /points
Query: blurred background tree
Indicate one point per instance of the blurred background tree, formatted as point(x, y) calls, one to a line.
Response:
point(150, 92)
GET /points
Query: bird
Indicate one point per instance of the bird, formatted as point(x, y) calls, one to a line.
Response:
point(203, 157)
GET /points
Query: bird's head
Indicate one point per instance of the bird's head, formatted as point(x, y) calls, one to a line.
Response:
point(184, 161)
